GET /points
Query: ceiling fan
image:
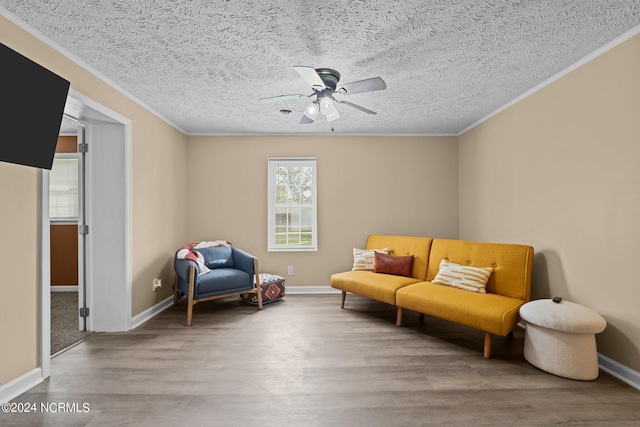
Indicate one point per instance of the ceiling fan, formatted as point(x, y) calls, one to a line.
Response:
point(324, 82)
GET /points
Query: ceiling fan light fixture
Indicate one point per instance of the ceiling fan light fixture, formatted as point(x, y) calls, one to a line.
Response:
point(333, 116)
point(324, 82)
point(312, 110)
point(326, 106)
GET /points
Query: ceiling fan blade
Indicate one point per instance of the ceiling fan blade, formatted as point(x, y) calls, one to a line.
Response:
point(367, 85)
point(305, 120)
point(311, 76)
point(280, 98)
point(351, 104)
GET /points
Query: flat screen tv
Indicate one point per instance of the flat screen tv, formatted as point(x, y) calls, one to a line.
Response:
point(32, 101)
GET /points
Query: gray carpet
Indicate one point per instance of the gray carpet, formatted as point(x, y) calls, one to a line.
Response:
point(64, 321)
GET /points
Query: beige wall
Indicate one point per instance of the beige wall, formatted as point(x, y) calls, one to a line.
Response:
point(560, 170)
point(158, 209)
point(19, 267)
point(158, 206)
point(394, 185)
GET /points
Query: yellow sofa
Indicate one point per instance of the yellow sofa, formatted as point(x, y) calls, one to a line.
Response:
point(495, 312)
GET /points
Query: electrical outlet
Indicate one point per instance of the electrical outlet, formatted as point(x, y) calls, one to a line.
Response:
point(157, 283)
point(290, 270)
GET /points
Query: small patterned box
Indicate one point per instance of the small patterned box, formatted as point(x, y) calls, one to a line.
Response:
point(272, 289)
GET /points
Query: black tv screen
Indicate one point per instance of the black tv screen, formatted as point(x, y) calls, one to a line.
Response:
point(32, 101)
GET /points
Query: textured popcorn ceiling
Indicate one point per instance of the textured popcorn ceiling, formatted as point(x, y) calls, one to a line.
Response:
point(205, 64)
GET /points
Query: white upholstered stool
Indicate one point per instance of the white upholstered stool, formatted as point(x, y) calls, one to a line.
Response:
point(560, 338)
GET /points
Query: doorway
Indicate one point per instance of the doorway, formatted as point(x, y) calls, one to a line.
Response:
point(66, 218)
point(106, 269)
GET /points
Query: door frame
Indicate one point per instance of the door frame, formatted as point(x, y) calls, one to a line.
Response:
point(108, 245)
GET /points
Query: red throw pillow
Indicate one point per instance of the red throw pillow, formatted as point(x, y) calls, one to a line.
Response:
point(389, 264)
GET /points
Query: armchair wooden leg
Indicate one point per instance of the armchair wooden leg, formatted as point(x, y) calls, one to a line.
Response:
point(399, 317)
point(175, 289)
point(190, 296)
point(344, 296)
point(487, 345)
point(258, 284)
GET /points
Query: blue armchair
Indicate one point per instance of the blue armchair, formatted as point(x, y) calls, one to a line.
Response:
point(233, 272)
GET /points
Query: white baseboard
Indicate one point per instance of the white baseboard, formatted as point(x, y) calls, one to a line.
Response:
point(620, 371)
point(139, 319)
point(298, 290)
point(16, 387)
point(64, 288)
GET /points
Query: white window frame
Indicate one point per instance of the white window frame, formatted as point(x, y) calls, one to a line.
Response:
point(66, 220)
point(273, 164)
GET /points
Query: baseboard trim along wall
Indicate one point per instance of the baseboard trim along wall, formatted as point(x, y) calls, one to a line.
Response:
point(15, 388)
point(620, 371)
point(309, 290)
point(149, 313)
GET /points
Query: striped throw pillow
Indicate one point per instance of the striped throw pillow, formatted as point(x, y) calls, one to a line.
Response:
point(364, 259)
point(465, 277)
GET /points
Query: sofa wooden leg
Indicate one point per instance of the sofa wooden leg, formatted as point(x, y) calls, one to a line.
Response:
point(189, 313)
point(487, 345)
point(175, 289)
point(190, 296)
point(421, 316)
point(260, 299)
point(344, 296)
point(399, 317)
point(258, 284)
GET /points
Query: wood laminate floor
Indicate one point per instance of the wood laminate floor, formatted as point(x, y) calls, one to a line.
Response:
point(303, 361)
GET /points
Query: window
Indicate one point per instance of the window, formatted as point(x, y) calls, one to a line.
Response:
point(63, 189)
point(292, 205)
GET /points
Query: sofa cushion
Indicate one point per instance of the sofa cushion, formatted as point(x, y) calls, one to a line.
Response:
point(465, 277)
point(511, 263)
point(492, 313)
point(221, 281)
point(363, 259)
point(380, 287)
point(419, 247)
point(218, 257)
point(389, 264)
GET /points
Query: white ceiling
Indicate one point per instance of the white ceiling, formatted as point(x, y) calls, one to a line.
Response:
point(203, 65)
